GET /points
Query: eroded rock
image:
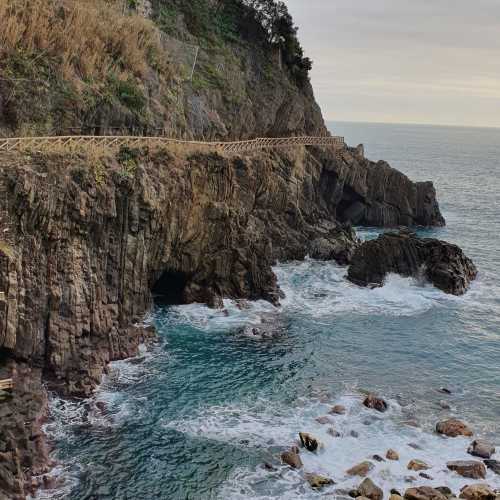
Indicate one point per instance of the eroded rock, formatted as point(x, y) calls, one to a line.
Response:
point(392, 455)
point(441, 263)
point(338, 410)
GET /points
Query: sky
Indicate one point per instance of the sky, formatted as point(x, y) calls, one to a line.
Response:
point(404, 61)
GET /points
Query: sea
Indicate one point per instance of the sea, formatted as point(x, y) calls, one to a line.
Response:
point(206, 413)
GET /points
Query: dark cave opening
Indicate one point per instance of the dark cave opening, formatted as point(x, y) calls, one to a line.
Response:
point(169, 288)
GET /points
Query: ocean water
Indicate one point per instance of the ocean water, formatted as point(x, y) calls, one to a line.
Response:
point(197, 416)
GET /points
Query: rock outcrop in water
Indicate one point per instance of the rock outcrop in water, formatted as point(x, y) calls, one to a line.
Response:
point(443, 264)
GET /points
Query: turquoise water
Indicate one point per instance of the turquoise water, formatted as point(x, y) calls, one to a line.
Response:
point(198, 415)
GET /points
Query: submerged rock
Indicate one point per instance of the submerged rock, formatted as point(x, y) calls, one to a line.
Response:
point(441, 263)
point(332, 432)
point(375, 403)
point(323, 420)
point(468, 468)
point(338, 410)
point(453, 428)
point(482, 449)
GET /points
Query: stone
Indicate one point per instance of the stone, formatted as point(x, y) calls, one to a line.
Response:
point(354, 434)
point(417, 465)
point(404, 253)
point(444, 405)
point(468, 468)
point(316, 481)
point(445, 491)
point(323, 420)
point(424, 493)
point(332, 432)
point(393, 496)
point(338, 410)
point(375, 403)
point(361, 469)
point(392, 455)
point(378, 458)
point(426, 476)
point(481, 448)
point(410, 479)
point(445, 390)
point(477, 492)
point(370, 490)
point(493, 465)
point(453, 427)
point(415, 446)
point(292, 459)
point(309, 442)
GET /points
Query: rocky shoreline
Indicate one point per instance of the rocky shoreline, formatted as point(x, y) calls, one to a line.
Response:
point(86, 241)
point(481, 452)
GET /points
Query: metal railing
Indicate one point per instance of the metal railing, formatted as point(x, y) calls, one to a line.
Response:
point(48, 144)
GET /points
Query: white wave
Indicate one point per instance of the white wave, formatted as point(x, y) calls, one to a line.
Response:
point(273, 428)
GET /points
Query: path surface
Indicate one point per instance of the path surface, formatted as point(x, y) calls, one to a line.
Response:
point(47, 144)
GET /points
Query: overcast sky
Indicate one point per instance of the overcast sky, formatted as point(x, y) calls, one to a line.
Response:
point(406, 61)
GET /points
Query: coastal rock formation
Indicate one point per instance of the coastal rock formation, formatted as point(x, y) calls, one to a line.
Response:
point(292, 459)
point(369, 489)
point(361, 469)
point(443, 264)
point(375, 194)
point(477, 492)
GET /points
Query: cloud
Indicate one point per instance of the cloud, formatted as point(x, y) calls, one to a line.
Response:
point(431, 61)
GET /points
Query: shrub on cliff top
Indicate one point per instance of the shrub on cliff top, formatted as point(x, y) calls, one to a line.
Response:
point(87, 40)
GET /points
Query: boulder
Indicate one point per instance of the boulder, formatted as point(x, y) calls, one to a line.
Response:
point(482, 449)
point(370, 490)
point(375, 403)
point(316, 481)
point(323, 420)
point(493, 465)
point(445, 491)
point(426, 476)
point(477, 492)
point(338, 410)
point(453, 428)
point(392, 455)
point(361, 469)
point(417, 465)
point(292, 459)
point(441, 263)
point(424, 493)
point(309, 442)
point(468, 468)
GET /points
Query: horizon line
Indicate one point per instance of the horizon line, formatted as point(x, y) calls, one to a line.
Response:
point(420, 124)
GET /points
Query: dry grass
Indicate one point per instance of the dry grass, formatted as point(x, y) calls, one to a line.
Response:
point(88, 39)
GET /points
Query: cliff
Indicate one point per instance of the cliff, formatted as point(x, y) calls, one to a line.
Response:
point(85, 238)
